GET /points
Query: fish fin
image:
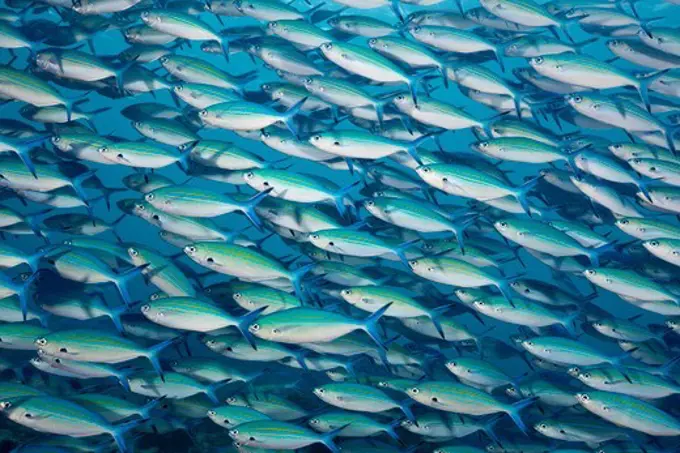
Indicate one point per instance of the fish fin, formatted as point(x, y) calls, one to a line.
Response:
point(123, 279)
point(339, 197)
point(643, 86)
point(118, 433)
point(153, 352)
point(245, 321)
point(370, 324)
point(248, 208)
point(514, 412)
point(289, 117)
point(211, 390)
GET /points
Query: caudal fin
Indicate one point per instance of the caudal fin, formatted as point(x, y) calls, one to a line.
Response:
point(514, 412)
point(370, 325)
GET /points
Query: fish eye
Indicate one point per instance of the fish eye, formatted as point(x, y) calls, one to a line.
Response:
point(543, 426)
point(103, 149)
point(250, 175)
point(133, 252)
point(654, 243)
point(41, 341)
point(150, 196)
point(415, 390)
point(255, 327)
point(145, 308)
point(538, 60)
point(237, 296)
point(578, 99)
point(314, 421)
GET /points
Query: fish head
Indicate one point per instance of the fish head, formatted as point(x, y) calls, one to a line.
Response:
point(378, 44)
point(620, 45)
point(150, 18)
point(537, 62)
point(257, 180)
point(60, 349)
point(585, 400)
point(18, 412)
point(327, 141)
point(673, 324)
point(373, 207)
point(662, 247)
point(319, 424)
point(154, 312)
point(404, 102)
point(266, 330)
point(330, 49)
point(424, 396)
point(47, 61)
point(428, 174)
point(547, 428)
point(351, 295)
point(588, 377)
point(208, 115)
point(597, 277)
point(322, 241)
point(136, 254)
point(201, 253)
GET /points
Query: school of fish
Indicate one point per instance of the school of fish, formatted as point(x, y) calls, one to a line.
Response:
point(350, 226)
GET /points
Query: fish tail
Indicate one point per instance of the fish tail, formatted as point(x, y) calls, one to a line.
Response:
point(405, 407)
point(499, 58)
point(437, 313)
point(522, 191)
point(339, 197)
point(489, 426)
point(123, 279)
point(24, 294)
point(23, 151)
point(245, 321)
point(669, 133)
point(667, 367)
point(514, 412)
point(296, 278)
point(118, 432)
point(224, 44)
point(115, 315)
point(211, 390)
point(370, 325)
point(415, 144)
point(289, 117)
point(643, 86)
point(391, 430)
point(327, 439)
point(154, 351)
point(414, 80)
point(395, 6)
point(249, 207)
point(78, 182)
point(122, 378)
point(594, 254)
point(401, 249)
point(145, 411)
